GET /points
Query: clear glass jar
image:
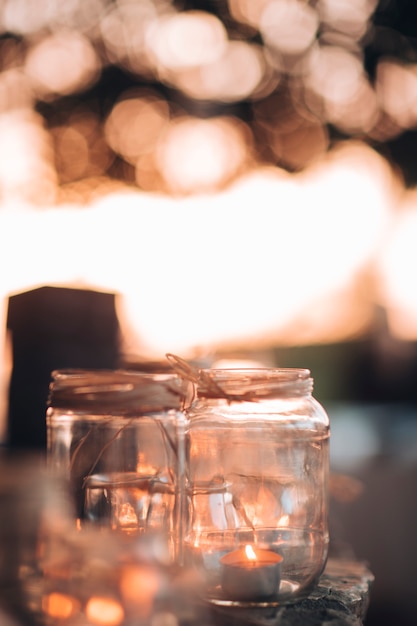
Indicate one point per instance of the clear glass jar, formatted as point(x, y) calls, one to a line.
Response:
point(118, 439)
point(258, 459)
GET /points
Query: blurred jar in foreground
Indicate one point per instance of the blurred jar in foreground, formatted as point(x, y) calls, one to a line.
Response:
point(32, 509)
point(118, 438)
point(104, 578)
point(257, 459)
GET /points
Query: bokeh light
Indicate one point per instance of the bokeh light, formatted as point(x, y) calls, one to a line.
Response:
point(201, 155)
point(61, 64)
point(239, 143)
point(289, 26)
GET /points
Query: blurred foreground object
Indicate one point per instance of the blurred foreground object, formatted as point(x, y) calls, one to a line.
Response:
point(31, 508)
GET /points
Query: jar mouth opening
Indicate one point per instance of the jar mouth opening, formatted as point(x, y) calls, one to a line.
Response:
point(122, 391)
point(282, 374)
point(102, 377)
point(253, 383)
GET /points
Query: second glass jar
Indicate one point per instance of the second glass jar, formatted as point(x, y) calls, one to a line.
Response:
point(257, 463)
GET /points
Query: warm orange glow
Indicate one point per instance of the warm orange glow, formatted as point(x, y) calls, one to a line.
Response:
point(347, 16)
point(334, 74)
point(235, 75)
point(27, 173)
point(250, 553)
point(395, 274)
point(397, 91)
point(127, 517)
point(80, 149)
point(123, 28)
point(61, 64)
point(247, 11)
point(15, 90)
point(187, 39)
point(60, 605)
point(289, 26)
point(283, 521)
point(212, 152)
point(136, 123)
point(139, 586)
point(104, 611)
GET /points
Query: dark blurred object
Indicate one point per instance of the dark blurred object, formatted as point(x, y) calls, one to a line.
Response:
point(54, 328)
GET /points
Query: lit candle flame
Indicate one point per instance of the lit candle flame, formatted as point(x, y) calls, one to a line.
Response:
point(250, 553)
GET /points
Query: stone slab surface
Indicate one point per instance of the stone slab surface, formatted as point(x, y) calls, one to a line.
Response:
point(340, 599)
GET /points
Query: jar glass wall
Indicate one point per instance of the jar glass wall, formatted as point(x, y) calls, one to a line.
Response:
point(257, 457)
point(118, 438)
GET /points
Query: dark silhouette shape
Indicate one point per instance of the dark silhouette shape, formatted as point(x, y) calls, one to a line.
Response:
point(54, 328)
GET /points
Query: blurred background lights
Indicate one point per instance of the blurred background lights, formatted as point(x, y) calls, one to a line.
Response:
point(187, 39)
point(289, 26)
point(347, 16)
point(397, 91)
point(334, 74)
point(123, 30)
point(199, 155)
point(146, 125)
point(81, 151)
point(247, 11)
point(136, 123)
point(62, 63)
point(27, 171)
point(396, 273)
point(15, 90)
point(234, 76)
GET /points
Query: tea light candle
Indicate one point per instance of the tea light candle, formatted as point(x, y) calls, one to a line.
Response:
point(251, 573)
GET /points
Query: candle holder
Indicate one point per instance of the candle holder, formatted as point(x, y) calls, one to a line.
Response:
point(251, 573)
point(259, 441)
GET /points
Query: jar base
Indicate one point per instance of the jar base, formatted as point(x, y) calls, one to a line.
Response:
point(287, 591)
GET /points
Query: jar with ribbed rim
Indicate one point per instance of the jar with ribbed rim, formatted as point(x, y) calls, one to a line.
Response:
point(257, 462)
point(117, 437)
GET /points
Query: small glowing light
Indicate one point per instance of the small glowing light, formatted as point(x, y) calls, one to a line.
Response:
point(123, 29)
point(334, 74)
point(127, 516)
point(24, 16)
point(62, 63)
point(283, 521)
point(289, 26)
point(139, 586)
point(247, 11)
point(250, 553)
point(104, 611)
point(396, 87)
point(212, 152)
point(135, 124)
point(80, 149)
point(233, 76)
point(347, 16)
point(186, 39)
point(60, 605)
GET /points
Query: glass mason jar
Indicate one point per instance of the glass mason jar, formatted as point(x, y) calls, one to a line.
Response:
point(257, 462)
point(118, 439)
